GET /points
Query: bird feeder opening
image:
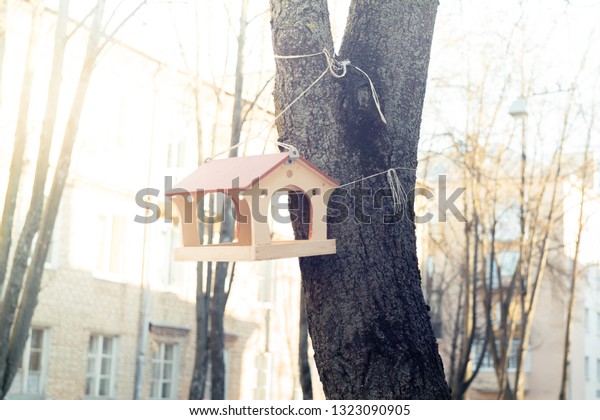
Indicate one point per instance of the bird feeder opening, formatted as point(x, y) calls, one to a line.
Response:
point(213, 209)
point(251, 183)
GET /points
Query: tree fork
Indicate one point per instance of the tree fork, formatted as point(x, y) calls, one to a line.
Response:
point(366, 314)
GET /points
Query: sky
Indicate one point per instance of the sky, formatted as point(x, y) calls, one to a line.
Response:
point(516, 48)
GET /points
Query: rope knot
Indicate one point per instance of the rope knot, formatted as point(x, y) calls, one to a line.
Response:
point(336, 67)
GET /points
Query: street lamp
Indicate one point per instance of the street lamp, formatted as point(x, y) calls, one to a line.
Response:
point(518, 110)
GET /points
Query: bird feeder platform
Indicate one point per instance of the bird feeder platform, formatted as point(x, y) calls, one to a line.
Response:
point(250, 182)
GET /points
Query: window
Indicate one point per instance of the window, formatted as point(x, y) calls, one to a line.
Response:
point(506, 262)
point(32, 374)
point(513, 355)
point(586, 368)
point(488, 361)
point(586, 320)
point(167, 271)
point(265, 289)
point(176, 155)
point(101, 377)
point(435, 303)
point(430, 266)
point(111, 244)
point(497, 314)
point(493, 267)
point(597, 370)
point(508, 223)
point(164, 371)
point(52, 257)
point(262, 391)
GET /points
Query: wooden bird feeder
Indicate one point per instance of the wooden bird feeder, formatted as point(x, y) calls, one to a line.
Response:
point(250, 182)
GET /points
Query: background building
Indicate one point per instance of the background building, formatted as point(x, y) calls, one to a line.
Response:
point(104, 270)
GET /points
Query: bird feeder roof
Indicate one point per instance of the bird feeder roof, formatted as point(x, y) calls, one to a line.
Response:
point(238, 173)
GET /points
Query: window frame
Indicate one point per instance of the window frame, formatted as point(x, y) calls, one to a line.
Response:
point(586, 368)
point(156, 386)
point(97, 375)
point(263, 364)
point(103, 269)
point(25, 373)
point(488, 363)
point(586, 320)
point(53, 255)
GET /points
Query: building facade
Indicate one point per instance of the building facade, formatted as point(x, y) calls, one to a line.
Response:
point(116, 315)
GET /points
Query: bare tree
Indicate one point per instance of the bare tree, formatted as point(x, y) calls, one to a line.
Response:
point(575, 269)
point(217, 309)
point(197, 386)
point(214, 280)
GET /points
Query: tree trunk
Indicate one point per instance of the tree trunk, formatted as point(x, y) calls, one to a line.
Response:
point(217, 344)
point(217, 334)
point(533, 288)
point(16, 164)
point(32, 221)
point(203, 299)
point(198, 384)
point(199, 375)
point(366, 314)
point(574, 273)
point(34, 274)
point(305, 378)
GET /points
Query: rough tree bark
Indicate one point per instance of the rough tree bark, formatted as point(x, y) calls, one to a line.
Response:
point(366, 314)
point(305, 377)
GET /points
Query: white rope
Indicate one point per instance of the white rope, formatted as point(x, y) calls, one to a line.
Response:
point(336, 68)
point(396, 168)
point(287, 57)
point(398, 193)
point(235, 146)
point(278, 143)
point(373, 93)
